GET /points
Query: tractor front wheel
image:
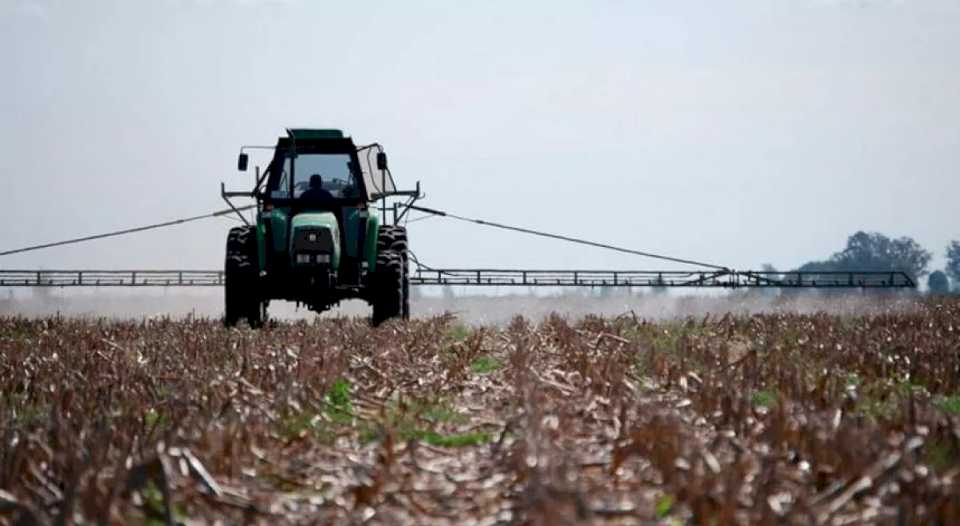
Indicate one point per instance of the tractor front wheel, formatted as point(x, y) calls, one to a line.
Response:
point(241, 276)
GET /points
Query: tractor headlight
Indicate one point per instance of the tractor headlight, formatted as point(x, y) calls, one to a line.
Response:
point(306, 259)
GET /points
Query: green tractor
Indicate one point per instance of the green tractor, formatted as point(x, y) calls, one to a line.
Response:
point(319, 236)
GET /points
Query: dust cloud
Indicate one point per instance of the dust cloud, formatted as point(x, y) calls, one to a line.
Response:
point(472, 309)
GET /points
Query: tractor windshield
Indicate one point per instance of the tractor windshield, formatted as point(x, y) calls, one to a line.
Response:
point(334, 174)
point(316, 176)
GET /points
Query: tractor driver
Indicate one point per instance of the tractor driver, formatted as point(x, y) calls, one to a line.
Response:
point(316, 191)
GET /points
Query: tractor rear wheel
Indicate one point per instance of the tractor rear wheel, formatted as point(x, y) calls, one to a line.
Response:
point(394, 238)
point(387, 296)
point(241, 276)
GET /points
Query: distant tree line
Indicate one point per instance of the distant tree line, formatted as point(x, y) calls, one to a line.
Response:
point(953, 264)
point(876, 252)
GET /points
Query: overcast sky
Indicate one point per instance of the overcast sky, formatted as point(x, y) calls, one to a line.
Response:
point(739, 133)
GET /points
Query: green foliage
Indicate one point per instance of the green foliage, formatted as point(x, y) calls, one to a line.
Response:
point(667, 340)
point(15, 333)
point(153, 504)
point(950, 404)
point(459, 332)
point(875, 408)
point(485, 365)
point(27, 415)
point(764, 398)
point(339, 394)
point(339, 406)
point(443, 413)
point(953, 263)
point(665, 505)
point(906, 388)
point(298, 424)
point(415, 421)
point(453, 440)
point(152, 418)
point(876, 252)
point(882, 399)
point(938, 283)
point(337, 411)
point(154, 508)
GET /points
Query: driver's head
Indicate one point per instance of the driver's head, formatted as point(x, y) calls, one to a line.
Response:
point(315, 181)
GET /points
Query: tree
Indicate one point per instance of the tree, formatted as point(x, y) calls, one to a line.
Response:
point(876, 252)
point(953, 262)
point(938, 283)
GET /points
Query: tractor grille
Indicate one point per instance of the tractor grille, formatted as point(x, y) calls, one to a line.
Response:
point(312, 241)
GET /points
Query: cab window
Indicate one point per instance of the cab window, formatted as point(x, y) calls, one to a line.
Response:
point(334, 171)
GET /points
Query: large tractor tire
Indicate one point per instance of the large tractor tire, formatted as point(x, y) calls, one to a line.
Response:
point(387, 298)
point(241, 279)
point(394, 238)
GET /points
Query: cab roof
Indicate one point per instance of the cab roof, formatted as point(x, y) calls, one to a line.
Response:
point(325, 140)
point(314, 133)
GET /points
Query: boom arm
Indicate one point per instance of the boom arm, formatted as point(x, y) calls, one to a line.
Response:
point(726, 279)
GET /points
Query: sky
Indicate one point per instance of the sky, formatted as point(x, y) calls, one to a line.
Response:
point(737, 133)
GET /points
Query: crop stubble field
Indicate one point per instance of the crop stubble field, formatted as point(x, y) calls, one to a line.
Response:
point(764, 418)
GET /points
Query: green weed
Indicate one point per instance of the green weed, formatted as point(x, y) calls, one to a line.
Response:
point(407, 422)
point(485, 365)
point(664, 505)
point(152, 418)
point(154, 508)
point(339, 405)
point(444, 413)
point(763, 398)
point(337, 411)
point(950, 404)
point(854, 379)
point(452, 440)
point(459, 332)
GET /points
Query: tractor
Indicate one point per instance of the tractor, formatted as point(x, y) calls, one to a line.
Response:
point(326, 229)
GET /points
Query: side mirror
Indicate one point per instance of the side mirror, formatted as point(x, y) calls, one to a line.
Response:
point(381, 161)
point(242, 162)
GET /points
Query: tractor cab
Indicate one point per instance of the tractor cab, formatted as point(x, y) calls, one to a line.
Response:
point(315, 173)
